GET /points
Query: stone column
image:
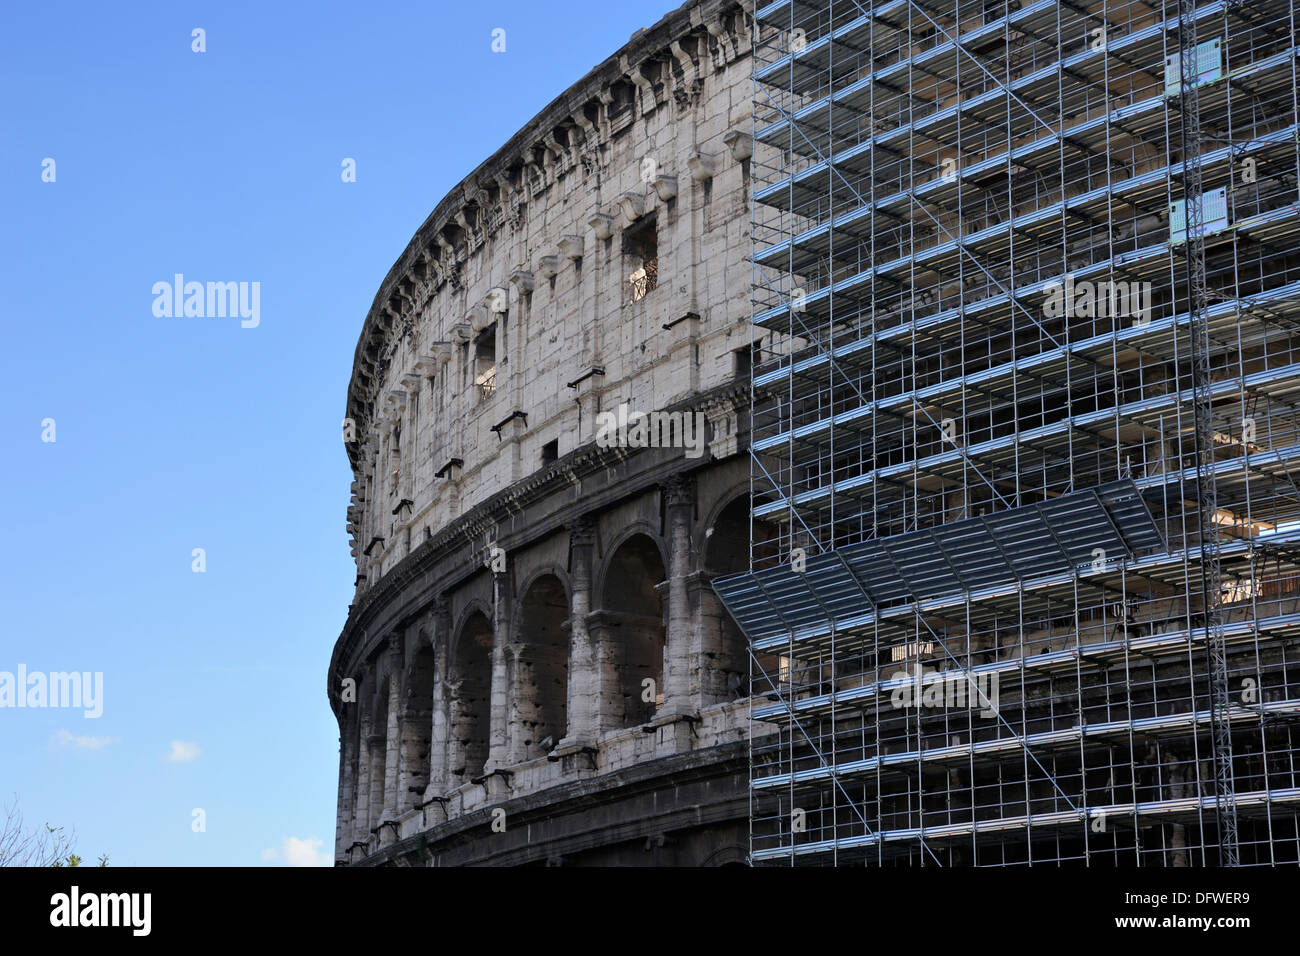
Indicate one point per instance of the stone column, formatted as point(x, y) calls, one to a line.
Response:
point(606, 629)
point(343, 811)
point(515, 716)
point(499, 736)
point(385, 464)
point(361, 804)
point(375, 743)
point(441, 697)
point(681, 656)
point(392, 742)
point(584, 692)
point(408, 736)
point(411, 438)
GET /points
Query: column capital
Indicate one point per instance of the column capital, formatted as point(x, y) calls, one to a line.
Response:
point(678, 490)
point(582, 531)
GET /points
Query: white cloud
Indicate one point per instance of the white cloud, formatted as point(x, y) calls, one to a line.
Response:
point(83, 743)
point(183, 750)
point(296, 852)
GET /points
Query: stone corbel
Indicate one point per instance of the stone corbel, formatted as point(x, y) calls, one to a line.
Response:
point(685, 59)
point(505, 187)
point(522, 280)
point(478, 318)
point(647, 89)
point(665, 186)
point(426, 365)
point(571, 247)
point(587, 126)
point(442, 352)
point(553, 145)
point(395, 398)
point(469, 187)
point(411, 381)
point(719, 33)
point(461, 332)
point(429, 263)
point(548, 266)
point(497, 300)
point(532, 171)
point(702, 166)
point(632, 205)
point(741, 144)
point(606, 99)
point(743, 39)
point(603, 224)
point(550, 153)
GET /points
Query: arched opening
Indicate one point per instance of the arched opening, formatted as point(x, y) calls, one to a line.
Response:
point(725, 673)
point(471, 700)
point(631, 599)
point(541, 679)
point(378, 754)
point(417, 729)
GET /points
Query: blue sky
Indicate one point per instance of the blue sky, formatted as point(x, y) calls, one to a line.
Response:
point(179, 433)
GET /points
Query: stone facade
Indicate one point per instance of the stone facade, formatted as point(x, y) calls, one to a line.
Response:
point(535, 668)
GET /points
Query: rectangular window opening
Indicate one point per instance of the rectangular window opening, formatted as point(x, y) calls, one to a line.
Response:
point(641, 257)
point(485, 362)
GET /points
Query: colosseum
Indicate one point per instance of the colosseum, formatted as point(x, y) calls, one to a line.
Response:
point(535, 668)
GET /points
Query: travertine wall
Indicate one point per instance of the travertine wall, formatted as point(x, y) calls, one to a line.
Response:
point(532, 248)
point(534, 633)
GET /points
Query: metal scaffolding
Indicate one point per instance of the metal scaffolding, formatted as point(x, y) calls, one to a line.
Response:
point(1025, 565)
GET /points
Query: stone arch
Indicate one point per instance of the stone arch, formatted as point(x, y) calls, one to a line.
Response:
point(417, 726)
point(706, 529)
point(633, 610)
point(540, 684)
point(726, 539)
point(606, 547)
point(733, 854)
point(470, 686)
